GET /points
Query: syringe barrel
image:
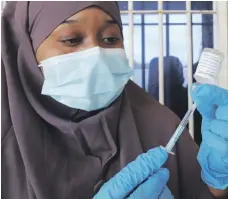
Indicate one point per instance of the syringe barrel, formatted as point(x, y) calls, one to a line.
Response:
point(180, 129)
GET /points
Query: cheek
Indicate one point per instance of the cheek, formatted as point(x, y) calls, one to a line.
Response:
point(45, 53)
point(48, 49)
point(121, 45)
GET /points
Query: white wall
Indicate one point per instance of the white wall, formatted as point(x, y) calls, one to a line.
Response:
point(222, 20)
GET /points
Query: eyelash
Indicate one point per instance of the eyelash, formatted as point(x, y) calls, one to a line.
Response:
point(72, 42)
point(116, 39)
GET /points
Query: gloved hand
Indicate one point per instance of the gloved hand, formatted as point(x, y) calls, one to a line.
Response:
point(142, 178)
point(212, 103)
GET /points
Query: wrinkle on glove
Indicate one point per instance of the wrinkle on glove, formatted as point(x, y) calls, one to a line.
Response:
point(212, 102)
point(145, 167)
point(155, 187)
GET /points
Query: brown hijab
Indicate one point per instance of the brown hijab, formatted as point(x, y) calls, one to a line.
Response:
point(51, 141)
point(50, 151)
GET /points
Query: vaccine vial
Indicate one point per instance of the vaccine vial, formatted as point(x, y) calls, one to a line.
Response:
point(209, 66)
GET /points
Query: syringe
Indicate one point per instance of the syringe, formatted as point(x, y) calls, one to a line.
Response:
point(206, 73)
point(180, 128)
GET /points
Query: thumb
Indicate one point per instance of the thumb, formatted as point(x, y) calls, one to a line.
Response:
point(135, 173)
point(166, 194)
point(211, 94)
point(203, 96)
point(153, 186)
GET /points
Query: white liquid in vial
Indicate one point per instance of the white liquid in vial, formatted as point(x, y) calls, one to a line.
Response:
point(209, 66)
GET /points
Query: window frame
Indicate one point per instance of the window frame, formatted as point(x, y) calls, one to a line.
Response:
point(220, 30)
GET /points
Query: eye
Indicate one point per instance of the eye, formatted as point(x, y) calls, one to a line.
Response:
point(111, 40)
point(71, 42)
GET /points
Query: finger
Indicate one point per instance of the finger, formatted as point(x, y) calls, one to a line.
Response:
point(222, 113)
point(136, 172)
point(152, 187)
point(218, 165)
point(214, 167)
point(215, 142)
point(205, 107)
point(207, 110)
point(220, 128)
point(206, 122)
point(166, 194)
point(209, 94)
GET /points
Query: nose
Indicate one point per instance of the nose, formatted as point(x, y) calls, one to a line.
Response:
point(90, 42)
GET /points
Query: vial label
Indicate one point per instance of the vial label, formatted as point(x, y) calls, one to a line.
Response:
point(209, 65)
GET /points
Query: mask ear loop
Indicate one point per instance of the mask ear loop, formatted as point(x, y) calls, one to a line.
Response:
point(41, 68)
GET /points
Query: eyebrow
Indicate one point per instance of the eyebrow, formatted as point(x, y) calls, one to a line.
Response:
point(70, 21)
point(73, 21)
point(111, 21)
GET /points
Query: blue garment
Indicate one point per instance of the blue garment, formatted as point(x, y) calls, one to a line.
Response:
point(212, 102)
point(88, 80)
point(142, 178)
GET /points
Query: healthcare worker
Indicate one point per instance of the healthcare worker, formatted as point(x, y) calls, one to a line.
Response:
point(75, 126)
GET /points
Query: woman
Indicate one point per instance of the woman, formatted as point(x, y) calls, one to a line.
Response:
point(73, 123)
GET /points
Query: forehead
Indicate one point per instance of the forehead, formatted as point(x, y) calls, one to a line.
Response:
point(45, 16)
point(89, 12)
point(88, 19)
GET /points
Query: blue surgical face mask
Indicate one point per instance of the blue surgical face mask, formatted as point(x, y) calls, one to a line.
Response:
point(87, 80)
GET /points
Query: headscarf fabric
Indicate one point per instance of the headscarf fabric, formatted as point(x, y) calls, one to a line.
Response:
point(50, 151)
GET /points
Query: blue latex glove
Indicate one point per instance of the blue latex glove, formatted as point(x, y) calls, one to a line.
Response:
point(142, 178)
point(212, 103)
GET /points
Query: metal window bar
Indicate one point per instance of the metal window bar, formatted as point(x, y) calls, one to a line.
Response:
point(160, 13)
point(3, 3)
point(143, 53)
point(189, 47)
point(167, 33)
point(168, 24)
point(131, 32)
point(167, 11)
point(215, 26)
point(160, 60)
